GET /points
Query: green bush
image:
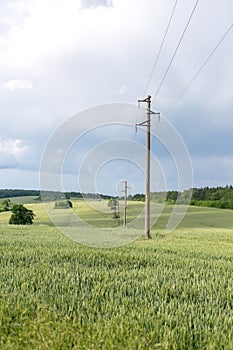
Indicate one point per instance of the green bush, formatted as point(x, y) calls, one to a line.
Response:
point(21, 215)
point(63, 204)
point(5, 205)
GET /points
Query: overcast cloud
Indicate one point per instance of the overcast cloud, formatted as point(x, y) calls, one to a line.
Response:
point(60, 57)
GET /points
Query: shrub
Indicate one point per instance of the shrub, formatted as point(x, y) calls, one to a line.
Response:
point(5, 205)
point(21, 215)
point(63, 204)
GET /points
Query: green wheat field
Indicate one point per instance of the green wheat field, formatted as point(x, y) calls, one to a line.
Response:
point(172, 292)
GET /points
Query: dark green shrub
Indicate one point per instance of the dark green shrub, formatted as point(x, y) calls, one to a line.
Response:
point(63, 204)
point(21, 215)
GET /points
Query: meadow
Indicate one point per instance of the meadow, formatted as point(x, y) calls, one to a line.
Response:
point(172, 292)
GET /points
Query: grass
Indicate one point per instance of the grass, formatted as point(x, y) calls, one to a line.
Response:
point(172, 292)
point(24, 199)
point(98, 214)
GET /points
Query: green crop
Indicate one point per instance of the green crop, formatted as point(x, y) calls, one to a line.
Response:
point(172, 292)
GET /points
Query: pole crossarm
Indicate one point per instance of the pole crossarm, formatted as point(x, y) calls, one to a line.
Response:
point(145, 99)
point(145, 122)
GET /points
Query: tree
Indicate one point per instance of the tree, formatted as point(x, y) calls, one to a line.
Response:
point(21, 215)
point(139, 197)
point(5, 205)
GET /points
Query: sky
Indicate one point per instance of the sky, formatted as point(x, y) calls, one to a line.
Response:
point(65, 58)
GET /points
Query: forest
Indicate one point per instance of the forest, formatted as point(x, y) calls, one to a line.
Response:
point(9, 193)
point(216, 197)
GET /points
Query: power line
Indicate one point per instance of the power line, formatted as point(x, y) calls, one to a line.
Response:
point(175, 52)
point(160, 49)
point(201, 68)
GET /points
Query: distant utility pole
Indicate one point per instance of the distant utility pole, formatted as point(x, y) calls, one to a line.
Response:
point(118, 211)
point(125, 204)
point(147, 203)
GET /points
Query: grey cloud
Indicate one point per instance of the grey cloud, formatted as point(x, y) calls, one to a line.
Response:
point(82, 76)
point(204, 131)
point(7, 161)
point(213, 170)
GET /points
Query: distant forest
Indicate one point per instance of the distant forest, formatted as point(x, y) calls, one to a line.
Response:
point(49, 195)
point(217, 197)
point(6, 193)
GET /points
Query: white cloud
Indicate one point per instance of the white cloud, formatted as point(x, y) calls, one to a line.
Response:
point(14, 84)
point(12, 153)
point(123, 90)
point(14, 147)
point(96, 3)
point(50, 28)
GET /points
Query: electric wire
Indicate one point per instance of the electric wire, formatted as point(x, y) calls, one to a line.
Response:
point(160, 49)
point(176, 50)
point(201, 68)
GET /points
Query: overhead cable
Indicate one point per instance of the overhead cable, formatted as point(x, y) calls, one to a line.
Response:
point(201, 68)
point(160, 49)
point(176, 50)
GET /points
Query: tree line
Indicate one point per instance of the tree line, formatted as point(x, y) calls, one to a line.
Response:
point(50, 195)
point(217, 197)
point(9, 193)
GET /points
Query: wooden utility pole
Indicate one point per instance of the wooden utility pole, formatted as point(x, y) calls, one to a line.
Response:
point(118, 211)
point(125, 204)
point(147, 209)
point(147, 203)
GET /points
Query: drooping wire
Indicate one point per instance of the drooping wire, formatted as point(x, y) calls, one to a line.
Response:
point(176, 49)
point(160, 49)
point(201, 68)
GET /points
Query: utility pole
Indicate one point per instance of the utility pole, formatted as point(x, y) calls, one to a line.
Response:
point(125, 204)
point(118, 211)
point(147, 217)
point(147, 203)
